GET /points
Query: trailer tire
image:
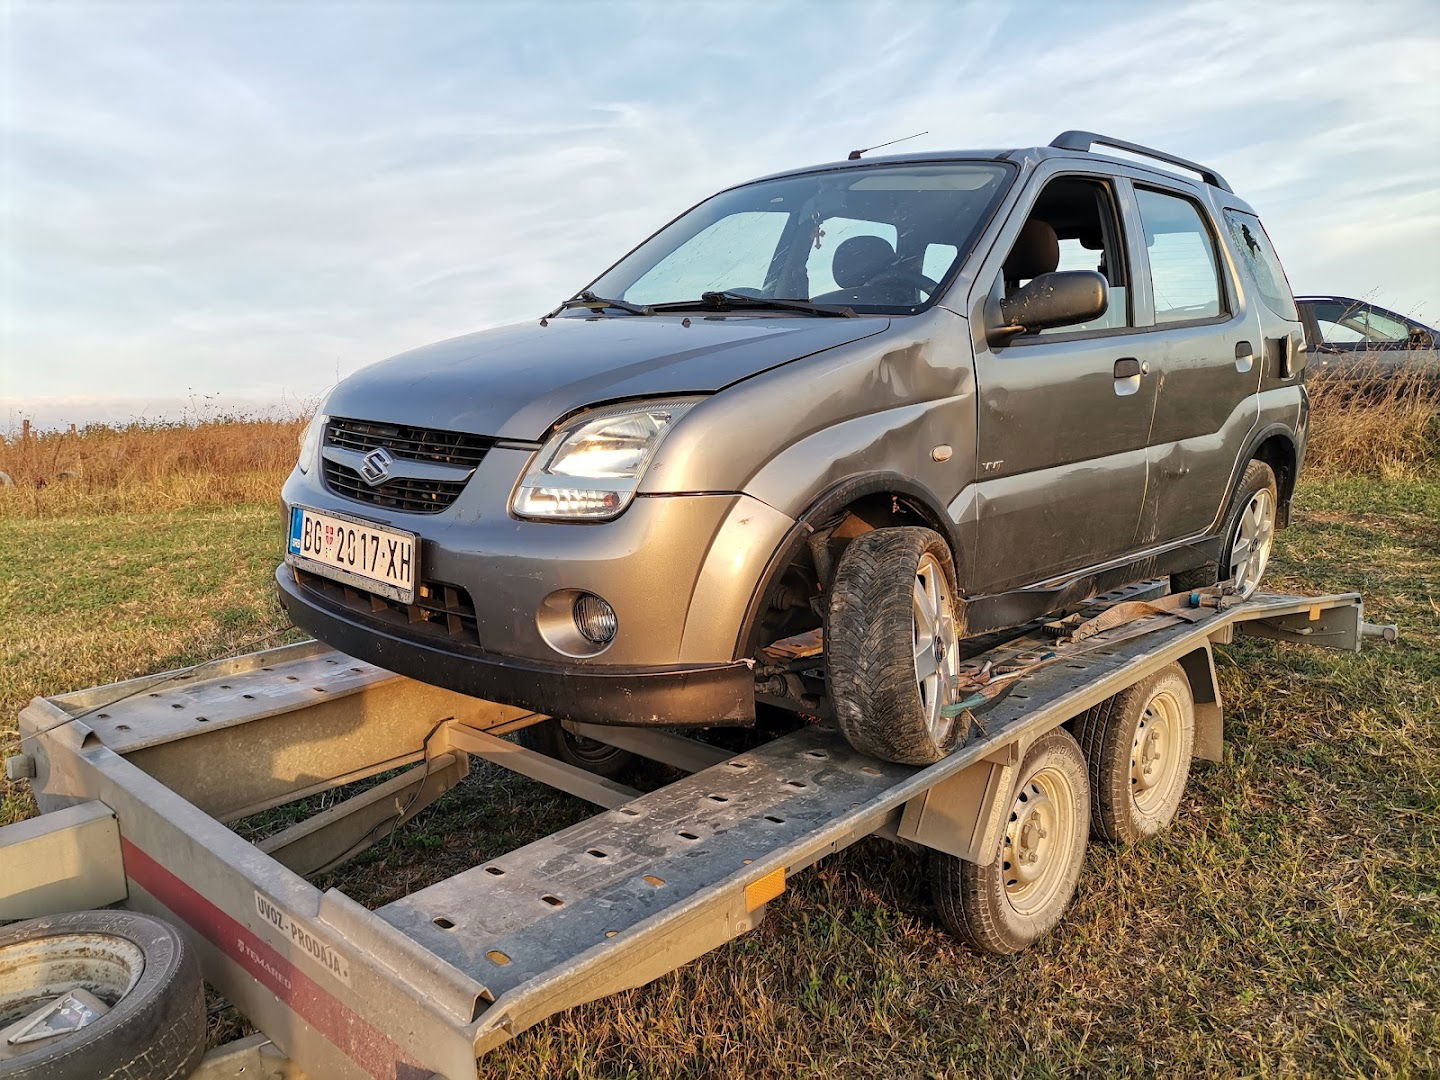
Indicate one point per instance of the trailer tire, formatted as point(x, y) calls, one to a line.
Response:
point(552, 740)
point(1138, 746)
point(142, 967)
point(994, 908)
point(887, 653)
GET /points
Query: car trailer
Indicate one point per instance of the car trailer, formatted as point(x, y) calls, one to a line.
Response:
point(137, 783)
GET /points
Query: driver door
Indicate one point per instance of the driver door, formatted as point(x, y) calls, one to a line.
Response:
point(1063, 416)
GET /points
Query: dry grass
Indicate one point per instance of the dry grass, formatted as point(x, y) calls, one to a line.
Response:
point(147, 466)
point(1361, 423)
point(1374, 419)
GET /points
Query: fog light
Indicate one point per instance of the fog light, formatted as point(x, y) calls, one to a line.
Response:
point(595, 619)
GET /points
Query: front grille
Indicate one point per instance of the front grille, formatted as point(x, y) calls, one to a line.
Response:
point(439, 611)
point(410, 496)
point(415, 443)
point(403, 442)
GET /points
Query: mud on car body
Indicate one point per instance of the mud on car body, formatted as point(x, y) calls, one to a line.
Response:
point(903, 399)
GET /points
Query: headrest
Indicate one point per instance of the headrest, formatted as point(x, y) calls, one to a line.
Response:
point(859, 259)
point(1036, 252)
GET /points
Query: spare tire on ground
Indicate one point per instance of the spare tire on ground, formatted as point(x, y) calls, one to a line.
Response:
point(99, 995)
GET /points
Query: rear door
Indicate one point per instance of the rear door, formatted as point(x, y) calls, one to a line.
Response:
point(1204, 351)
point(1063, 416)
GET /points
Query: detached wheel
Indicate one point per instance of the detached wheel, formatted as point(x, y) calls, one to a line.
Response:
point(1138, 746)
point(892, 644)
point(552, 740)
point(1003, 907)
point(99, 995)
point(1249, 536)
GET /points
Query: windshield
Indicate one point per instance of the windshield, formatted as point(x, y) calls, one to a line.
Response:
point(877, 239)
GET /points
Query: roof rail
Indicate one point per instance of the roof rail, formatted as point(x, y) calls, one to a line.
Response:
point(1084, 140)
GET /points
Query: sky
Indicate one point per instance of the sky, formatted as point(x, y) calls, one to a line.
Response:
point(225, 206)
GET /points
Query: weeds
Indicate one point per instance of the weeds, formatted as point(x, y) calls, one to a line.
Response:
point(1374, 418)
point(147, 466)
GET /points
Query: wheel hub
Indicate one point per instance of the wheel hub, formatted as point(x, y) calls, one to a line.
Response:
point(1033, 839)
point(1155, 753)
point(1038, 840)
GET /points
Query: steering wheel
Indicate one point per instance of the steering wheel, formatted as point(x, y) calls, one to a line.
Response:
point(904, 277)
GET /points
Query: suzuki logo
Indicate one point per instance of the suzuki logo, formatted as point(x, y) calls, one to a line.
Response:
point(375, 466)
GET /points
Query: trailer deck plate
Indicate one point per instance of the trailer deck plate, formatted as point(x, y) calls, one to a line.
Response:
point(587, 887)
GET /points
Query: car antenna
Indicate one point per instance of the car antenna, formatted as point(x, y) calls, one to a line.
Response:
point(855, 154)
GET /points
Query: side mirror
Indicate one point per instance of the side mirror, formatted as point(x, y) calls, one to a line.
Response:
point(1420, 338)
point(1059, 299)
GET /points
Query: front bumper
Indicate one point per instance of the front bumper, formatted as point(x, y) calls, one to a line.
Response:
point(701, 695)
point(680, 571)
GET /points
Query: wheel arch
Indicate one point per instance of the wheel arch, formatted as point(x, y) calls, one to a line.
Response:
point(1274, 445)
point(875, 498)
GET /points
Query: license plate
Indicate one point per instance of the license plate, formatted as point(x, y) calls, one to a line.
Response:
point(359, 553)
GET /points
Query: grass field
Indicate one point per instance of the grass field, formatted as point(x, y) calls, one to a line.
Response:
point(1290, 923)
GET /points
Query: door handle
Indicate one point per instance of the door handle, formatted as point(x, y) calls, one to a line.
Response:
point(1127, 367)
point(1244, 357)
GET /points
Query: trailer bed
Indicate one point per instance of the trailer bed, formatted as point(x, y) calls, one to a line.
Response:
point(425, 984)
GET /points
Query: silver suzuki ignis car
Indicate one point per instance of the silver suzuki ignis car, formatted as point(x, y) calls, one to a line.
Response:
point(877, 405)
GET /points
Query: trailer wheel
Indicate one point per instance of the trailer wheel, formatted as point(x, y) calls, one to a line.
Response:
point(552, 740)
point(138, 966)
point(1249, 536)
point(1138, 745)
point(892, 643)
point(1003, 907)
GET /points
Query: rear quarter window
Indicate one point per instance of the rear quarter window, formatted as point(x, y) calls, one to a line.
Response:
point(1254, 249)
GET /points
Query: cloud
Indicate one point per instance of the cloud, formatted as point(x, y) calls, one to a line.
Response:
point(252, 199)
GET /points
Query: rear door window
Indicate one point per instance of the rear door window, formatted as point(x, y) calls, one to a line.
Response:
point(1184, 270)
point(1248, 238)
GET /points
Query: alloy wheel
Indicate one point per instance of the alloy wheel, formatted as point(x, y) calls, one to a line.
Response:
point(936, 642)
point(1254, 538)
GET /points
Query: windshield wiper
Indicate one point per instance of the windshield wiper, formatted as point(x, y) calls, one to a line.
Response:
point(724, 299)
point(586, 298)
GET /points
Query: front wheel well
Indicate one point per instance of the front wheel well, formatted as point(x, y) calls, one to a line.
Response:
point(791, 597)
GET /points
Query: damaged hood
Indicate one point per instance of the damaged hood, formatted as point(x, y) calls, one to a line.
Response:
point(514, 382)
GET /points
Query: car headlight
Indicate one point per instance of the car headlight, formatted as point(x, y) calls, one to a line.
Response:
point(310, 441)
point(589, 469)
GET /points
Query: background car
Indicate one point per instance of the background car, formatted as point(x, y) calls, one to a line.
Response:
point(1358, 339)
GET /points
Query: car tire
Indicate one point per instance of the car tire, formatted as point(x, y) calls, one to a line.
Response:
point(1138, 746)
point(142, 967)
point(552, 740)
point(1249, 525)
point(1006, 905)
point(892, 644)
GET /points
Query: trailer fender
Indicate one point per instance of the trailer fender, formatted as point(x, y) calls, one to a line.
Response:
point(1199, 668)
point(964, 814)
